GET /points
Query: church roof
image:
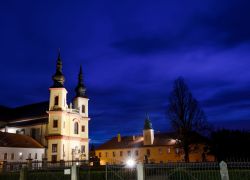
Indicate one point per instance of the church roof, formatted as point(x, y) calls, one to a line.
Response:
point(161, 139)
point(18, 140)
point(24, 114)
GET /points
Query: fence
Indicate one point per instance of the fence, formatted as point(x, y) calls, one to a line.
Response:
point(79, 170)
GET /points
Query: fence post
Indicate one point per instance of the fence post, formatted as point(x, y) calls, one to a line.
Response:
point(224, 171)
point(24, 173)
point(140, 171)
point(74, 172)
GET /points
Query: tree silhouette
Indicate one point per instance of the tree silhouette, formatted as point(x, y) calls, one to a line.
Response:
point(185, 114)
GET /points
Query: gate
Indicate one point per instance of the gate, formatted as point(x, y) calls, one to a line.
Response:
point(120, 172)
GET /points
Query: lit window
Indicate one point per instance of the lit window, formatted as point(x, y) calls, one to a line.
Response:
point(20, 155)
point(83, 109)
point(55, 123)
point(168, 150)
point(177, 150)
point(148, 152)
point(54, 148)
point(160, 151)
point(76, 127)
point(113, 154)
point(137, 153)
point(100, 154)
point(56, 100)
point(129, 153)
point(121, 153)
point(107, 154)
point(83, 128)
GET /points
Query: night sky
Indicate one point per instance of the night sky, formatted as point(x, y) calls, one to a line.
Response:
point(131, 52)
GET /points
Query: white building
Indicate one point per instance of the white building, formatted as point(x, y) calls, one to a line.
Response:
point(17, 147)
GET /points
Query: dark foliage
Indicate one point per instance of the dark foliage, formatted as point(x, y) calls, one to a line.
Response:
point(231, 145)
point(185, 115)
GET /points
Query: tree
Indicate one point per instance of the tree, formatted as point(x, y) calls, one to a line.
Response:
point(185, 114)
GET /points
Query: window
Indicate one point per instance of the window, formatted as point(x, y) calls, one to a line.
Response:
point(20, 155)
point(160, 151)
point(5, 156)
point(107, 154)
point(82, 149)
point(148, 152)
point(121, 153)
point(35, 155)
point(129, 153)
point(29, 156)
point(113, 154)
point(83, 128)
point(55, 123)
point(137, 153)
point(76, 127)
point(168, 150)
point(56, 100)
point(54, 148)
point(83, 109)
point(12, 156)
point(177, 150)
point(100, 154)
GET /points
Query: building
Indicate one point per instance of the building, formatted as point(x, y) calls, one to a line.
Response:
point(61, 128)
point(17, 147)
point(147, 148)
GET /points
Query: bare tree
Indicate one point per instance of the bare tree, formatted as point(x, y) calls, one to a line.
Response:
point(185, 114)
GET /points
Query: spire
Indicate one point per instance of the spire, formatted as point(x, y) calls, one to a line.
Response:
point(80, 88)
point(58, 77)
point(147, 124)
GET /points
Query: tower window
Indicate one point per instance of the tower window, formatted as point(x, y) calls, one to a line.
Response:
point(56, 100)
point(54, 148)
point(76, 128)
point(83, 109)
point(83, 128)
point(55, 123)
point(82, 149)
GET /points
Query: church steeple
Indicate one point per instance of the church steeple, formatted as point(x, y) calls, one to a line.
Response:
point(147, 123)
point(58, 77)
point(80, 88)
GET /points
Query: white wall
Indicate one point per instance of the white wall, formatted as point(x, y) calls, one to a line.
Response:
point(25, 153)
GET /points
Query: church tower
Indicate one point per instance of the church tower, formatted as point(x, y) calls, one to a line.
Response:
point(67, 126)
point(81, 100)
point(148, 132)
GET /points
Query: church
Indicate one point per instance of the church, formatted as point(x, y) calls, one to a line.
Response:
point(60, 128)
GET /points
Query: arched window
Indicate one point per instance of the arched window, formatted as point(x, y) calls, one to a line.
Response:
point(76, 127)
point(56, 100)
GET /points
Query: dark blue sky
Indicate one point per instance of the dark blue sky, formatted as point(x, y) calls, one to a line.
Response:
point(131, 52)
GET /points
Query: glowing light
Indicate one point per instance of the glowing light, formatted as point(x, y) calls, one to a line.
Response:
point(20, 154)
point(130, 163)
point(77, 163)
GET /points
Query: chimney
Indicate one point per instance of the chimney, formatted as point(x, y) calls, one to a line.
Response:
point(119, 139)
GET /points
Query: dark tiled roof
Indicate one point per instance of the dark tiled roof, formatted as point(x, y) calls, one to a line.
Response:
point(33, 112)
point(18, 140)
point(161, 139)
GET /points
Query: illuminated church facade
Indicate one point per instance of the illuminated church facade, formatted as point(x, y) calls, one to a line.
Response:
point(60, 128)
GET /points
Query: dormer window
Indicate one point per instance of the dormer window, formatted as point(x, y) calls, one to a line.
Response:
point(56, 100)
